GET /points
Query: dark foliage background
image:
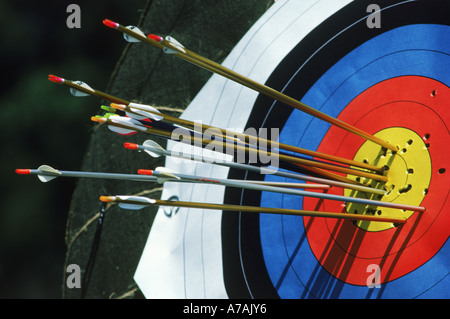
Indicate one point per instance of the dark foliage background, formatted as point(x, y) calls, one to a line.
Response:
point(43, 124)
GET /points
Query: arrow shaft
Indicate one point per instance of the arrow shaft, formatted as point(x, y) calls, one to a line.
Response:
point(95, 92)
point(261, 88)
point(262, 170)
point(80, 174)
point(227, 134)
point(275, 189)
point(252, 209)
point(284, 184)
point(237, 148)
point(291, 159)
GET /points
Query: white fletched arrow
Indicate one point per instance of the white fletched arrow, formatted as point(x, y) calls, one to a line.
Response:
point(133, 29)
point(138, 202)
point(47, 173)
point(259, 186)
point(155, 150)
point(79, 93)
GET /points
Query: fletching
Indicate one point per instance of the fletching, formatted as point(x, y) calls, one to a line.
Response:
point(129, 122)
point(137, 115)
point(165, 174)
point(141, 108)
point(135, 206)
point(129, 38)
point(179, 48)
point(79, 93)
point(154, 145)
point(120, 130)
point(49, 173)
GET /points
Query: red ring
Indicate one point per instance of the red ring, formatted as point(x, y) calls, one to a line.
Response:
point(343, 249)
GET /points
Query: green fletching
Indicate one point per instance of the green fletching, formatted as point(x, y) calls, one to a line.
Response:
point(108, 115)
point(108, 109)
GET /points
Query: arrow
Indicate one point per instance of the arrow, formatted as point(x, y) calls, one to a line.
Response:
point(180, 51)
point(165, 174)
point(139, 202)
point(79, 88)
point(239, 148)
point(155, 150)
point(161, 175)
point(140, 111)
point(127, 131)
point(47, 173)
point(238, 138)
point(192, 140)
point(240, 184)
point(235, 136)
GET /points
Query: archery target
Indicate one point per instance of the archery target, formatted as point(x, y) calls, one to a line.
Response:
point(393, 81)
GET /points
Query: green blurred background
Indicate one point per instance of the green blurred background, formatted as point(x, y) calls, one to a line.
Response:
point(41, 123)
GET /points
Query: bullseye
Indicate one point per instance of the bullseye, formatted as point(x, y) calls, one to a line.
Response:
point(408, 171)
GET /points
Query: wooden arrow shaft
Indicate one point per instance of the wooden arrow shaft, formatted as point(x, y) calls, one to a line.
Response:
point(261, 141)
point(263, 89)
point(301, 162)
point(267, 210)
point(230, 134)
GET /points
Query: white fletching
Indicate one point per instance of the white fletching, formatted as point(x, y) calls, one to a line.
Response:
point(179, 48)
point(132, 206)
point(141, 108)
point(154, 145)
point(129, 38)
point(127, 121)
point(165, 174)
point(78, 93)
point(51, 173)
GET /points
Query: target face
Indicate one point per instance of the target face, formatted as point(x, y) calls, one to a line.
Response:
point(393, 83)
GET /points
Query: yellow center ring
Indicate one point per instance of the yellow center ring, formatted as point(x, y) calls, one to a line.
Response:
point(408, 171)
